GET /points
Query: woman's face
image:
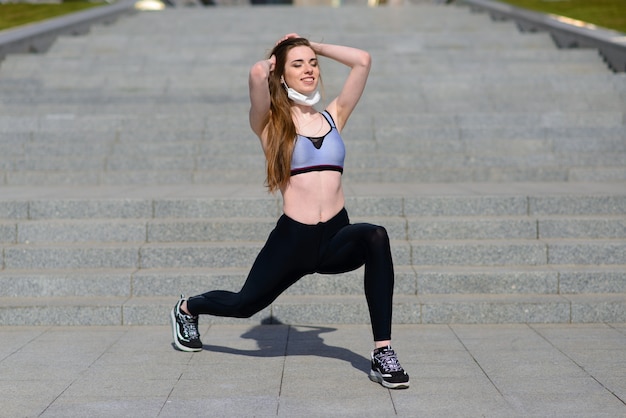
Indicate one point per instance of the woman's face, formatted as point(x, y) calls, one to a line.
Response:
point(301, 70)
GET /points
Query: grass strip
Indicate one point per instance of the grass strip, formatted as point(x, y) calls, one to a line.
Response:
point(17, 14)
point(609, 14)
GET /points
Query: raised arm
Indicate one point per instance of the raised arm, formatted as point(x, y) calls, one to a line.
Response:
point(359, 62)
point(260, 94)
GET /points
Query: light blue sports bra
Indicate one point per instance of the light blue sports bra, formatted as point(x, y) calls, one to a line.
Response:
point(319, 154)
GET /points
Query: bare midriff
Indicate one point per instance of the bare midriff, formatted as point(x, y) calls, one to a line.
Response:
point(313, 197)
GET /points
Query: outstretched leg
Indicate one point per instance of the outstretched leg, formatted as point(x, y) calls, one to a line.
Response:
point(283, 260)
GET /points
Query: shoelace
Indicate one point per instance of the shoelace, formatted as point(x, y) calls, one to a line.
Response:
point(388, 361)
point(189, 327)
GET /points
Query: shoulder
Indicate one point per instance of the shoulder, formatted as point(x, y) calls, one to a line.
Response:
point(332, 111)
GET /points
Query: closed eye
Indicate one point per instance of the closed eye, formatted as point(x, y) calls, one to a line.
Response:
point(299, 63)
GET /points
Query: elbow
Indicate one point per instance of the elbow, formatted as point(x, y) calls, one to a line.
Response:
point(365, 60)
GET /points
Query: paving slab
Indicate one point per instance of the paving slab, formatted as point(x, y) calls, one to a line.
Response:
point(520, 370)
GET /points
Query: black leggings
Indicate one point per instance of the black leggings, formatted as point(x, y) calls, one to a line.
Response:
point(293, 250)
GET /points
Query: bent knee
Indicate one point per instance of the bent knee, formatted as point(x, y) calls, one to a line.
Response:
point(378, 235)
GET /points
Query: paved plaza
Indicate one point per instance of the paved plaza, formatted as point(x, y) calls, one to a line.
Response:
point(540, 370)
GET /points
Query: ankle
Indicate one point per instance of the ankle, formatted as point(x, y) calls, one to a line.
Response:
point(183, 308)
point(382, 344)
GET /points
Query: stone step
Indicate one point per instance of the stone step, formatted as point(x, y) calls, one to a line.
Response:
point(53, 126)
point(434, 97)
point(297, 309)
point(200, 169)
point(472, 174)
point(522, 200)
point(172, 255)
point(390, 144)
point(172, 282)
point(257, 229)
point(387, 140)
point(484, 252)
point(409, 280)
point(529, 55)
point(475, 157)
point(517, 66)
point(418, 175)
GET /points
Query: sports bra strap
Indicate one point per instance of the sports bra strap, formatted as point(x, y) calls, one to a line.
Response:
point(328, 118)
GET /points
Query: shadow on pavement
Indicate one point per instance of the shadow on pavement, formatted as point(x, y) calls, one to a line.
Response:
point(307, 342)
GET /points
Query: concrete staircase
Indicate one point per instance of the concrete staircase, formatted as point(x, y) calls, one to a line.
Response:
point(496, 162)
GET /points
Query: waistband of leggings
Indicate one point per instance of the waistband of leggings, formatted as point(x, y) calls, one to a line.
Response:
point(340, 218)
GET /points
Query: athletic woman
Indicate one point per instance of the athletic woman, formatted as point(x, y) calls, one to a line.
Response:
point(305, 154)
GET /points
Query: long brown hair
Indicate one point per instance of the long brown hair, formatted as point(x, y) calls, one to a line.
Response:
point(281, 131)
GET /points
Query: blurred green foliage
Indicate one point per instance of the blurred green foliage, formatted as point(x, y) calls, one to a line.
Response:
point(16, 14)
point(610, 14)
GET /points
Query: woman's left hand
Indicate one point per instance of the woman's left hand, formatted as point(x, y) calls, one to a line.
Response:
point(288, 36)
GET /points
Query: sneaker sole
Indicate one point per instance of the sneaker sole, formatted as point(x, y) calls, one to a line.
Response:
point(376, 377)
point(175, 336)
